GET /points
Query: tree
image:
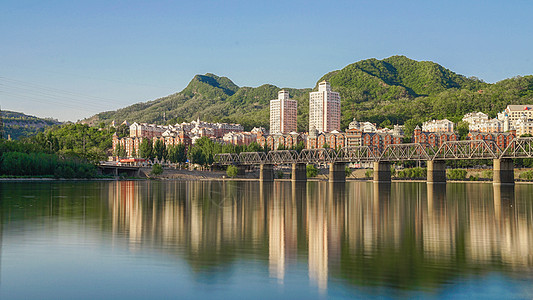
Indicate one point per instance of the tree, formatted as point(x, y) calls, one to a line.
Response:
point(311, 171)
point(123, 131)
point(300, 146)
point(196, 156)
point(120, 151)
point(157, 169)
point(463, 130)
point(254, 147)
point(232, 171)
point(386, 124)
point(177, 153)
point(160, 149)
point(145, 149)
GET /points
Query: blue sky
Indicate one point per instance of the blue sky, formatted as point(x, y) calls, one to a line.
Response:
point(72, 59)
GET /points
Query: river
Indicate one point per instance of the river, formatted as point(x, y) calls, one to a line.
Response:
point(243, 240)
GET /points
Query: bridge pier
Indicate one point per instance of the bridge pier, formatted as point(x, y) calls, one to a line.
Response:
point(266, 173)
point(436, 171)
point(503, 171)
point(382, 171)
point(299, 172)
point(336, 172)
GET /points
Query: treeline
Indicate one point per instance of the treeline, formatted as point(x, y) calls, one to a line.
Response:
point(63, 151)
point(76, 141)
point(28, 159)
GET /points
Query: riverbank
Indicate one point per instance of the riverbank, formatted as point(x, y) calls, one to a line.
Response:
point(198, 175)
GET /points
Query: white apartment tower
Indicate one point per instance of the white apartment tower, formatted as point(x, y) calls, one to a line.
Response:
point(324, 109)
point(282, 114)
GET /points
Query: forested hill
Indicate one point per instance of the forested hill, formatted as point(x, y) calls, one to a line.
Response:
point(17, 125)
point(395, 90)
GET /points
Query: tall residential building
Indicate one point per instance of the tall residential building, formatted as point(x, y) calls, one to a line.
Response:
point(282, 114)
point(324, 109)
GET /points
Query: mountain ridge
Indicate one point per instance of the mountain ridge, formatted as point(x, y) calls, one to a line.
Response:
point(18, 125)
point(392, 90)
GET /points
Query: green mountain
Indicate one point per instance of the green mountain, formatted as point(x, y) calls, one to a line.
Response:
point(395, 90)
point(18, 125)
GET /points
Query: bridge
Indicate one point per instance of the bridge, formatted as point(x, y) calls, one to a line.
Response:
point(503, 167)
point(116, 170)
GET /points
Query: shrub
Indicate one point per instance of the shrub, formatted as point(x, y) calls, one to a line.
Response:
point(232, 171)
point(279, 174)
point(369, 173)
point(157, 169)
point(311, 171)
point(347, 171)
point(392, 171)
point(457, 174)
point(412, 173)
point(527, 175)
point(487, 174)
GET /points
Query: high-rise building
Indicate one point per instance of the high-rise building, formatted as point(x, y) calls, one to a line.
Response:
point(283, 114)
point(324, 109)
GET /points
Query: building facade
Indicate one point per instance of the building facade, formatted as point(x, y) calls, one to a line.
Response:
point(283, 112)
point(438, 126)
point(324, 109)
point(434, 139)
point(513, 113)
point(502, 139)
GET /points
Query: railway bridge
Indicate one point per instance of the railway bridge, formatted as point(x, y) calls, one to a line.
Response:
point(503, 166)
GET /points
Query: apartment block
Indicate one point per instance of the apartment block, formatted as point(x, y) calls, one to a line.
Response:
point(283, 112)
point(324, 109)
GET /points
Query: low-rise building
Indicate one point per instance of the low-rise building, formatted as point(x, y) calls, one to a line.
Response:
point(515, 112)
point(334, 139)
point(524, 126)
point(438, 126)
point(434, 139)
point(502, 139)
point(278, 140)
point(380, 140)
point(475, 118)
point(240, 138)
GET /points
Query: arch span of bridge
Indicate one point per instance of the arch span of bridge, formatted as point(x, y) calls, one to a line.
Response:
point(503, 167)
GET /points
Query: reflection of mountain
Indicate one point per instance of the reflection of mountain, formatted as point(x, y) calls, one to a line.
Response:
point(405, 235)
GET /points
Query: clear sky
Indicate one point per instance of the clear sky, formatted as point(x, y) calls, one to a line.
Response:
point(71, 59)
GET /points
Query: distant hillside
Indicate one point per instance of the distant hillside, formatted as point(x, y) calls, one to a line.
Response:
point(210, 98)
point(395, 90)
point(18, 125)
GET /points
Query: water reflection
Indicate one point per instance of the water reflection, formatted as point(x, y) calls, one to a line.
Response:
point(402, 236)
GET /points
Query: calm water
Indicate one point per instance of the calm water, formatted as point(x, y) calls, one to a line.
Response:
point(242, 240)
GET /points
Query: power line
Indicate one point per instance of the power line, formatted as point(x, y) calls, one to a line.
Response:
point(20, 87)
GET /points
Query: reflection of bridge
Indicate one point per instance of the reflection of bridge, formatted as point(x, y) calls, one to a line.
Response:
point(435, 157)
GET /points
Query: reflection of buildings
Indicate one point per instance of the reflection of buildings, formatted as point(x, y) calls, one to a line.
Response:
point(282, 229)
point(317, 226)
point(399, 226)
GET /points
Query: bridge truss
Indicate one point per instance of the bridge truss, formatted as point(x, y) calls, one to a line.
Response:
point(450, 150)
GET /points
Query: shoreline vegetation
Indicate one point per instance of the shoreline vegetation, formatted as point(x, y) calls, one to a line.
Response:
point(471, 176)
